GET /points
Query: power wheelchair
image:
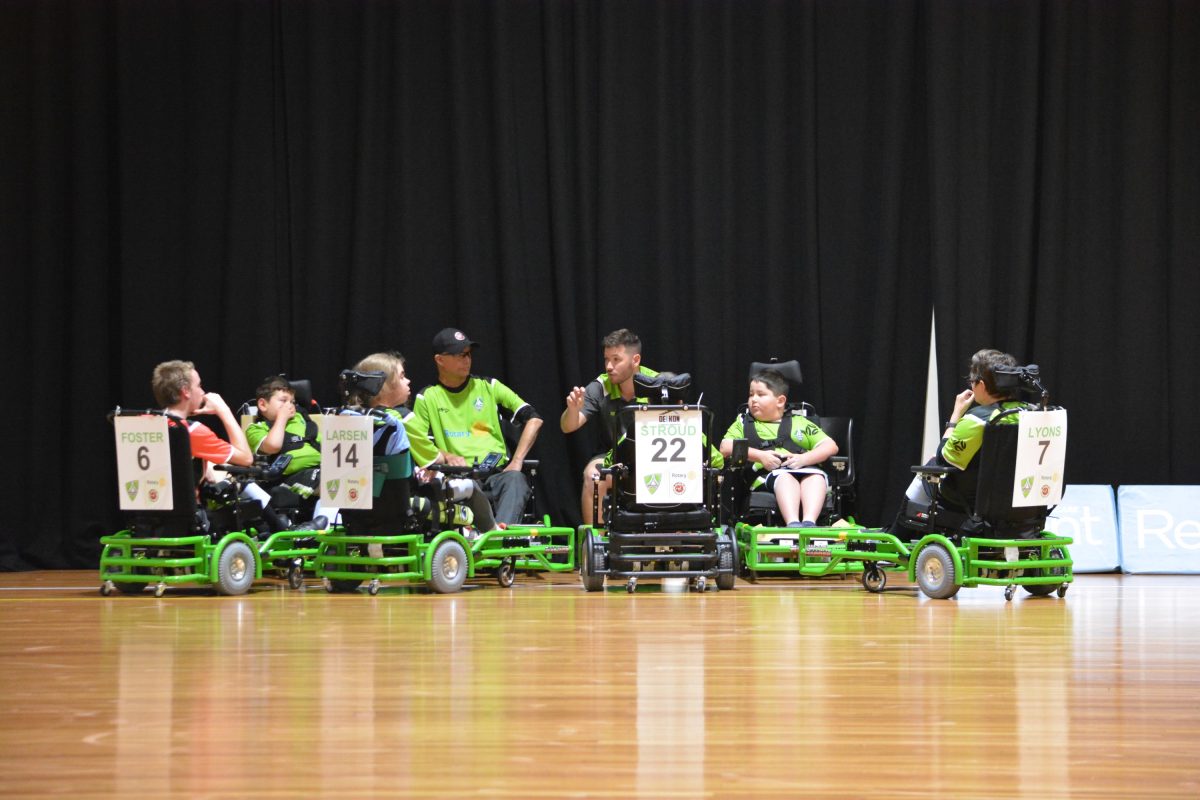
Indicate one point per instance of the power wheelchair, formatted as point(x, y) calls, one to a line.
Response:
point(287, 537)
point(766, 548)
point(406, 536)
point(178, 542)
point(989, 541)
point(652, 535)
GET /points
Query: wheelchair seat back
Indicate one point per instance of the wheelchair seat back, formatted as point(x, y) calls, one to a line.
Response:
point(997, 459)
point(181, 520)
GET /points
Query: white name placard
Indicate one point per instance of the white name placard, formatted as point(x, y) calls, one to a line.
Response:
point(347, 461)
point(670, 456)
point(143, 463)
point(1041, 457)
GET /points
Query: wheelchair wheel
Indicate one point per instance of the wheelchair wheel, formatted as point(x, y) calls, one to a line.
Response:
point(506, 573)
point(295, 576)
point(873, 578)
point(235, 569)
point(1046, 589)
point(727, 561)
point(588, 564)
point(935, 573)
point(449, 568)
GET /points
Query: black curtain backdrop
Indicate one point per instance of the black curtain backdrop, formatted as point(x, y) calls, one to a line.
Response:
point(286, 186)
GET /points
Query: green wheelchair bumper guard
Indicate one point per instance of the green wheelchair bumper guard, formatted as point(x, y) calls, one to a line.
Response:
point(199, 568)
point(489, 549)
point(415, 564)
point(966, 571)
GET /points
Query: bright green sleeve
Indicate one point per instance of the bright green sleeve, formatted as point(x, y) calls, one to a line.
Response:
point(256, 433)
point(963, 442)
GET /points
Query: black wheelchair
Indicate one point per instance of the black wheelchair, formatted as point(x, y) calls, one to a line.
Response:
point(665, 538)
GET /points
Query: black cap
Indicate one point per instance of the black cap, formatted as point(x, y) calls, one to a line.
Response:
point(452, 341)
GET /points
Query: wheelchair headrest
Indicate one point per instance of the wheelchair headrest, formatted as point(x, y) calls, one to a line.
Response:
point(1011, 379)
point(668, 387)
point(366, 384)
point(790, 370)
point(302, 389)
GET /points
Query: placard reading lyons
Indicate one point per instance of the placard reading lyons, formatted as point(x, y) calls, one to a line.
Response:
point(1041, 457)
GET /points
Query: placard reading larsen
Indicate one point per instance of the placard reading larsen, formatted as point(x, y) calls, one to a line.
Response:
point(347, 461)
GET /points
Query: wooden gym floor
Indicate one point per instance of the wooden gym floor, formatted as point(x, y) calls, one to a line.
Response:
point(780, 689)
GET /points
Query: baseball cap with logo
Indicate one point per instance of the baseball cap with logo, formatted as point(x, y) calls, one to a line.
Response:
point(452, 341)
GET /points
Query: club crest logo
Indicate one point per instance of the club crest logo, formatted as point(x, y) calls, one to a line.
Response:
point(331, 489)
point(653, 482)
point(131, 489)
point(1026, 486)
point(478, 404)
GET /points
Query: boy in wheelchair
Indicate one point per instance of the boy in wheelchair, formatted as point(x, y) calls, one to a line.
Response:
point(785, 449)
point(285, 432)
point(951, 503)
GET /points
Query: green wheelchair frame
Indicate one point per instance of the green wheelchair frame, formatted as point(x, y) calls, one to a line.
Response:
point(444, 560)
point(129, 563)
point(935, 562)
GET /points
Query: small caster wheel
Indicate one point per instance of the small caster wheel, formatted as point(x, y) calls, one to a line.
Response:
point(701, 584)
point(631, 585)
point(1009, 591)
point(107, 588)
point(295, 576)
point(160, 590)
point(1062, 590)
point(373, 587)
point(873, 578)
point(506, 573)
point(328, 584)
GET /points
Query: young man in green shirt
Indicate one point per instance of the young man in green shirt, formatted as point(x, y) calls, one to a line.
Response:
point(461, 415)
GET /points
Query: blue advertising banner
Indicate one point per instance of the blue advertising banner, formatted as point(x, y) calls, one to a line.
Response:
point(1088, 514)
point(1160, 528)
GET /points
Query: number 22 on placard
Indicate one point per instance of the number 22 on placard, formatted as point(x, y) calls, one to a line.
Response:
point(662, 444)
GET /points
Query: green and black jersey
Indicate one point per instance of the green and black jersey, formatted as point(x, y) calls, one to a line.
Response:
point(300, 440)
point(964, 441)
point(803, 437)
point(464, 421)
point(602, 399)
